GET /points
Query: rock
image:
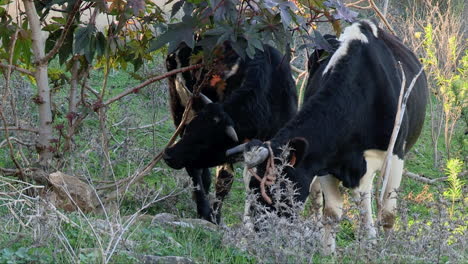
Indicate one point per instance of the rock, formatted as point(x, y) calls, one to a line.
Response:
point(164, 218)
point(193, 222)
point(66, 187)
point(149, 259)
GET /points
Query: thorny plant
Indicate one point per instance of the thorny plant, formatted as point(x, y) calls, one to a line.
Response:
point(288, 236)
point(38, 218)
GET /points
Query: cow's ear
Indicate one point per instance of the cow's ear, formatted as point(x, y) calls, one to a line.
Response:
point(298, 147)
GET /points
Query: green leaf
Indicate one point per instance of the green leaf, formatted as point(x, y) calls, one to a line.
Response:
point(100, 44)
point(66, 49)
point(176, 34)
point(85, 41)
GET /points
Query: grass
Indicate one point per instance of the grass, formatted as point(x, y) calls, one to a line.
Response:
point(36, 235)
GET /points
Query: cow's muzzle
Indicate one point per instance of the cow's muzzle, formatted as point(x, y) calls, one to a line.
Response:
point(172, 162)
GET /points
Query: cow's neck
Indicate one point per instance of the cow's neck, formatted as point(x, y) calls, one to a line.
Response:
point(324, 121)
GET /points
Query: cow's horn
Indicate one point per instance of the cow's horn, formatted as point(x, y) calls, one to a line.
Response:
point(235, 150)
point(205, 99)
point(255, 157)
point(232, 133)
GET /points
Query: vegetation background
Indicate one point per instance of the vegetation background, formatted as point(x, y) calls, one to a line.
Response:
point(84, 117)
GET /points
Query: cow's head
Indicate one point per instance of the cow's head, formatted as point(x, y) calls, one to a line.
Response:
point(263, 159)
point(205, 140)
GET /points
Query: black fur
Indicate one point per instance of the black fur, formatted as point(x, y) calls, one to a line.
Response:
point(352, 108)
point(258, 100)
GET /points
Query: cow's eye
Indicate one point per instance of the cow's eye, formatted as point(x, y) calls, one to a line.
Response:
point(216, 119)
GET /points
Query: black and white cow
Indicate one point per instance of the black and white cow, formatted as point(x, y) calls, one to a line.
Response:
point(343, 130)
point(255, 99)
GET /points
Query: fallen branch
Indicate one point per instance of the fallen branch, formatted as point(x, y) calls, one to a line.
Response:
point(136, 89)
point(423, 179)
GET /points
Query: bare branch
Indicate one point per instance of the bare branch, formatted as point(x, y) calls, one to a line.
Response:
point(16, 68)
point(381, 16)
point(146, 83)
point(126, 182)
point(20, 128)
point(294, 68)
point(149, 125)
point(396, 128)
point(17, 141)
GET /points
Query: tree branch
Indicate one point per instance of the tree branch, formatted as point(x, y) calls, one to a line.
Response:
point(396, 128)
point(123, 184)
point(28, 129)
point(59, 43)
point(135, 89)
point(381, 16)
point(16, 68)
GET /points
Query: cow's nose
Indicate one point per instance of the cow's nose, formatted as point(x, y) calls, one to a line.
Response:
point(171, 162)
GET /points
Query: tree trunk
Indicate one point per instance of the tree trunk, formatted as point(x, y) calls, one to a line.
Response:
point(43, 97)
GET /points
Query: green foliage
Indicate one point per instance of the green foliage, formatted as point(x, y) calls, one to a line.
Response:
point(454, 191)
point(23, 255)
point(450, 75)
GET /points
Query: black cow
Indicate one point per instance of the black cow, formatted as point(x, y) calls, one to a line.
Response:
point(343, 130)
point(257, 97)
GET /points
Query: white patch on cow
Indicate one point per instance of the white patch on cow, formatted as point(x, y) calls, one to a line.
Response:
point(233, 70)
point(372, 26)
point(351, 33)
point(331, 213)
point(375, 159)
point(390, 197)
point(316, 198)
point(216, 119)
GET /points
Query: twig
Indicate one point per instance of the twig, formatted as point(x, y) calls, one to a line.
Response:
point(4, 100)
point(58, 44)
point(138, 175)
point(146, 83)
point(16, 68)
point(422, 178)
point(28, 129)
point(396, 128)
point(17, 141)
point(149, 125)
point(381, 16)
point(294, 68)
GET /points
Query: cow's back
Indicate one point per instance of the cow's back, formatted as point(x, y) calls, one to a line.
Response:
point(416, 105)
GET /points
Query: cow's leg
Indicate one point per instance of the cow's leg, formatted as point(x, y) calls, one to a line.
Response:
point(201, 190)
point(247, 217)
point(224, 180)
point(331, 212)
point(316, 198)
point(363, 194)
point(390, 197)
